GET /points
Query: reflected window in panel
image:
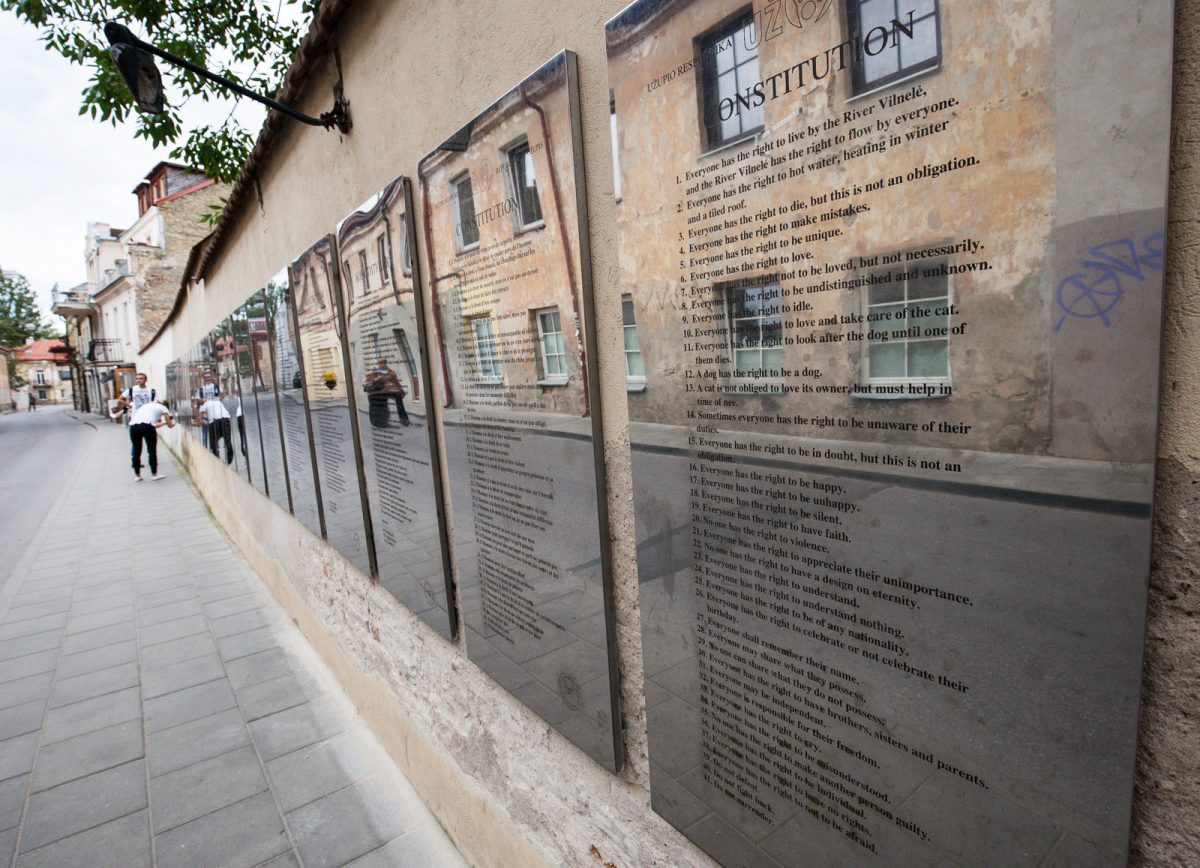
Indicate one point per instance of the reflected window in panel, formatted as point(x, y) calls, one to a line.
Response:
point(635, 367)
point(908, 322)
point(405, 251)
point(486, 357)
point(728, 69)
point(523, 177)
point(385, 276)
point(462, 197)
point(616, 151)
point(349, 279)
point(410, 363)
point(550, 346)
point(900, 38)
point(755, 330)
point(364, 272)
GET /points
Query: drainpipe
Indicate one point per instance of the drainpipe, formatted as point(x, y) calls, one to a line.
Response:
point(562, 231)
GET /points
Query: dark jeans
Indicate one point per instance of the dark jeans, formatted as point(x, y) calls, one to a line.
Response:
point(377, 403)
point(219, 429)
point(139, 434)
point(242, 434)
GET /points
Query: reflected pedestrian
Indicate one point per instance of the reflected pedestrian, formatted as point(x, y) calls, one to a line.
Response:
point(382, 385)
point(143, 430)
point(217, 423)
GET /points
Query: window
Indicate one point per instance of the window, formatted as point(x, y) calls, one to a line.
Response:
point(485, 348)
point(728, 66)
point(385, 276)
point(41, 394)
point(40, 377)
point(907, 321)
point(466, 230)
point(755, 329)
point(550, 345)
point(523, 177)
point(364, 271)
point(635, 368)
point(349, 281)
point(900, 38)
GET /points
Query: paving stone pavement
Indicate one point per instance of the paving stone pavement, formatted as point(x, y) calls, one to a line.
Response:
point(158, 708)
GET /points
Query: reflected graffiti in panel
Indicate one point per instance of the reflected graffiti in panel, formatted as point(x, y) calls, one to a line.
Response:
point(892, 389)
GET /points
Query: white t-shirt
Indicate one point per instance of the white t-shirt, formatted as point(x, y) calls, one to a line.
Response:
point(149, 414)
point(139, 396)
point(212, 410)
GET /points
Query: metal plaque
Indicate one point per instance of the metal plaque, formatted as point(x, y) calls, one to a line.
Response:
point(331, 401)
point(509, 283)
point(891, 280)
point(296, 437)
point(249, 383)
point(389, 377)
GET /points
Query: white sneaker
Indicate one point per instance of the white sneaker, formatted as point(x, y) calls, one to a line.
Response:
point(158, 476)
point(137, 477)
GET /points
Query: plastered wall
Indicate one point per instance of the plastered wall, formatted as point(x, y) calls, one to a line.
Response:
point(508, 788)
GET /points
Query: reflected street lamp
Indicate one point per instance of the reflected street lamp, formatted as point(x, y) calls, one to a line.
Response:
point(133, 59)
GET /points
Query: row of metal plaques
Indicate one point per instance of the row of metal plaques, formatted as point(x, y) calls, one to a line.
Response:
point(891, 321)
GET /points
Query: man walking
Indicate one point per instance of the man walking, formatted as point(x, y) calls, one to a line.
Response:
point(143, 430)
point(217, 423)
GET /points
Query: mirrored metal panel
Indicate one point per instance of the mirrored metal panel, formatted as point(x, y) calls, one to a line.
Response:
point(292, 406)
point(213, 415)
point(331, 401)
point(247, 383)
point(891, 297)
point(389, 378)
point(509, 283)
point(261, 309)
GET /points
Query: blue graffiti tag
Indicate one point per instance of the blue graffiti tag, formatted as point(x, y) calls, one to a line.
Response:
point(1094, 294)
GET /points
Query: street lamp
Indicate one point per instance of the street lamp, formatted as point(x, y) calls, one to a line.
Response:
point(137, 67)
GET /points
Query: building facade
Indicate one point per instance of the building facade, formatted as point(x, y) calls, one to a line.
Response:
point(45, 368)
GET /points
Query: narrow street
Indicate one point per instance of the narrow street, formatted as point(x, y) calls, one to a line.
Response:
point(156, 707)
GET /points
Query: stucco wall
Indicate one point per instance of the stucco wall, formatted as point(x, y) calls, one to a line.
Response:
point(506, 786)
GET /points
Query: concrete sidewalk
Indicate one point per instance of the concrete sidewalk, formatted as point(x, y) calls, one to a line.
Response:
point(157, 708)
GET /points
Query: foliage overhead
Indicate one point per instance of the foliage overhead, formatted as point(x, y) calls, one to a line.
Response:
point(20, 317)
point(251, 43)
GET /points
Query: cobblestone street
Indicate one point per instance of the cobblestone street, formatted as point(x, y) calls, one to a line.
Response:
point(156, 707)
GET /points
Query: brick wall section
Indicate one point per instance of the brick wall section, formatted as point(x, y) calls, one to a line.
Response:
point(160, 271)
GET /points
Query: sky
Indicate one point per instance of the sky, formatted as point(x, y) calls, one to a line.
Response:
point(60, 171)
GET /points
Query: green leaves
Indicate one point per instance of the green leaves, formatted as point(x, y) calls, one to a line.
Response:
point(20, 317)
point(247, 42)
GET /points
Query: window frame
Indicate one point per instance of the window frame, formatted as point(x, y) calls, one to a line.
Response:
point(859, 86)
point(633, 382)
point(460, 235)
point(548, 378)
point(707, 93)
point(519, 149)
point(865, 307)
